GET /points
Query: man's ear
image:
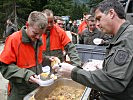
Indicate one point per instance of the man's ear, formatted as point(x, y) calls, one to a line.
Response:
point(112, 13)
point(27, 24)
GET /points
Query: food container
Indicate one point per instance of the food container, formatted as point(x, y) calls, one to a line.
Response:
point(42, 92)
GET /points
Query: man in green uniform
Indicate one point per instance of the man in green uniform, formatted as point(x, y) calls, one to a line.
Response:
point(91, 32)
point(21, 59)
point(115, 80)
point(74, 32)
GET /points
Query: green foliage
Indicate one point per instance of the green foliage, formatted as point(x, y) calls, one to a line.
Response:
point(77, 11)
point(24, 7)
point(7, 9)
point(66, 8)
point(59, 7)
point(93, 3)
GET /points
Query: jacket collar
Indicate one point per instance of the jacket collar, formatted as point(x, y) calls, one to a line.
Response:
point(26, 39)
point(95, 31)
point(119, 33)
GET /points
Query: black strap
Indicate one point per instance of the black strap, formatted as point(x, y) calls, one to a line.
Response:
point(48, 41)
point(36, 55)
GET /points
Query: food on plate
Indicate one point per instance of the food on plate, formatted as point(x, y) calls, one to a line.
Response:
point(53, 76)
point(45, 76)
point(56, 61)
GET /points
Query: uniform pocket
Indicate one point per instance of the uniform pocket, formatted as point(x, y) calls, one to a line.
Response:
point(109, 57)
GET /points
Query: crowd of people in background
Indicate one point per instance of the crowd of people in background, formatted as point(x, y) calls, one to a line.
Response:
point(85, 32)
point(82, 31)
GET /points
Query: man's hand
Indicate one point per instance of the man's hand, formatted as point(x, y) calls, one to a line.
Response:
point(74, 33)
point(34, 79)
point(63, 69)
point(54, 60)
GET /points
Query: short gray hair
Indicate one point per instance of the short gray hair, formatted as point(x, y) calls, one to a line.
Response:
point(38, 18)
point(48, 12)
point(106, 5)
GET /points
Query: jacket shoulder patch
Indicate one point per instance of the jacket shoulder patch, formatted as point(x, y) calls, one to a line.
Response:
point(121, 57)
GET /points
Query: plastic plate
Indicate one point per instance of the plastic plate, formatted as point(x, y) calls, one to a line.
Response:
point(46, 82)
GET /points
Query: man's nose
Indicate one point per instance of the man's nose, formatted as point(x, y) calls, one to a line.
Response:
point(97, 23)
point(37, 36)
point(49, 24)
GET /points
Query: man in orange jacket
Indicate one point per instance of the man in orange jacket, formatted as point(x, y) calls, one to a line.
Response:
point(83, 24)
point(21, 59)
point(55, 41)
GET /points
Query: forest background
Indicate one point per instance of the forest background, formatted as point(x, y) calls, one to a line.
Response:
point(18, 10)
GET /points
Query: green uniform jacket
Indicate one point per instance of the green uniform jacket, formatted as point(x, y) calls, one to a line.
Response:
point(115, 80)
point(18, 77)
point(87, 37)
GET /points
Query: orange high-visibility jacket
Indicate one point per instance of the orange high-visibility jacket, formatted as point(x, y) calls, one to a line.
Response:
point(58, 38)
point(23, 54)
point(82, 26)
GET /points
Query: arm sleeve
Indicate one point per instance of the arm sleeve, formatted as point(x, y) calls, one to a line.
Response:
point(73, 54)
point(9, 51)
point(14, 73)
point(115, 75)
